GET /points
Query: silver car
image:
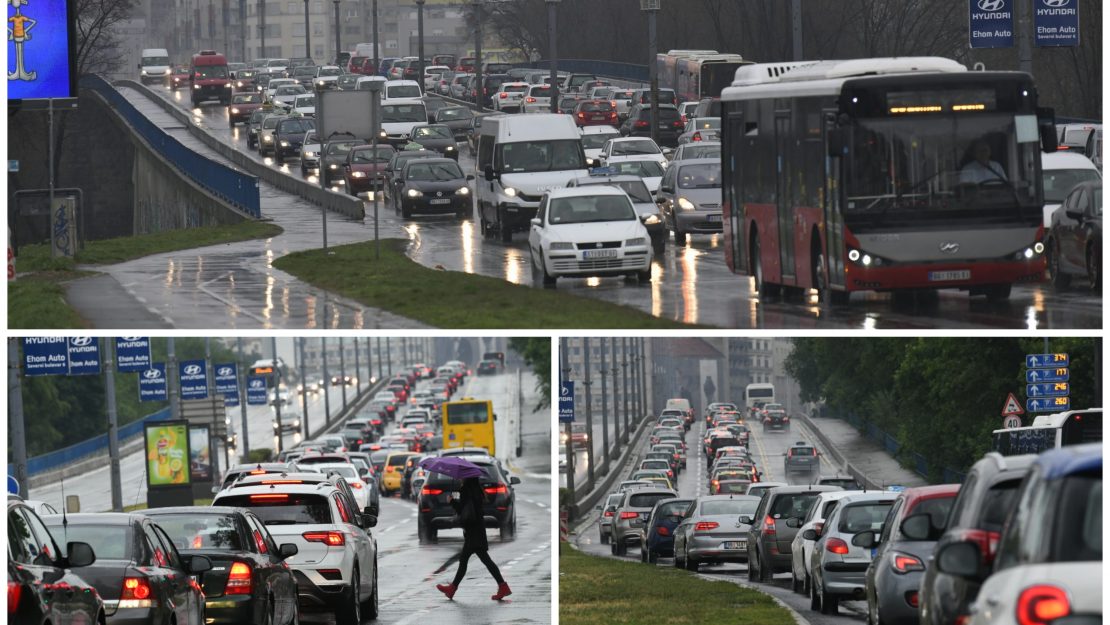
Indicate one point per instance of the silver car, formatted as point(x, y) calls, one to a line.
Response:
point(801, 547)
point(628, 520)
point(714, 530)
point(838, 568)
point(690, 198)
point(608, 511)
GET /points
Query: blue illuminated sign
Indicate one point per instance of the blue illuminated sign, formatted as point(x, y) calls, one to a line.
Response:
point(1056, 23)
point(991, 23)
point(40, 50)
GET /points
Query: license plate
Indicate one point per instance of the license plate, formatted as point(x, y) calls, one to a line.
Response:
point(945, 276)
point(664, 126)
point(736, 544)
point(714, 218)
point(440, 201)
point(597, 118)
point(600, 254)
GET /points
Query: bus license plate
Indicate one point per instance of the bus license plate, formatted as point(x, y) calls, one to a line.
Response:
point(440, 201)
point(599, 254)
point(714, 218)
point(946, 276)
point(736, 544)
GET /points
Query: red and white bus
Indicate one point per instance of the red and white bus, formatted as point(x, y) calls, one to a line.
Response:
point(882, 175)
point(696, 74)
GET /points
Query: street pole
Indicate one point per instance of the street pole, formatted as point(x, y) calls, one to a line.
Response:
point(327, 381)
point(276, 376)
point(343, 373)
point(307, 34)
point(338, 46)
point(520, 412)
point(208, 374)
point(567, 430)
point(358, 374)
point(388, 357)
point(17, 429)
point(369, 365)
point(643, 378)
point(796, 27)
point(113, 431)
point(604, 415)
point(617, 392)
point(245, 447)
point(652, 7)
point(552, 6)
point(243, 29)
point(304, 393)
point(262, 25)
point(1025, 34)
point(478, 57)
point(625, 383)
point(172, 373)
point(420, 43)
point(378, 346)
point(589, 415)
point(616, 413)
point(377, 61)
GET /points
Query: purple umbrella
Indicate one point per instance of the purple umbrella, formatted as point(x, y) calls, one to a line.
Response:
point(452, 466)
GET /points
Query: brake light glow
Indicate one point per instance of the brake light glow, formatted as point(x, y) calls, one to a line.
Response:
point(239, 580)
point(629, 515)
point(1040, 604)
point(663, 531)
point(504, 95)
point(500, 489)
point(15, 589)
point(697, 136)
point(769, 526)
point(837, 546)
point(389, 469)
point(639, 123)
point(530, 100)
point(431, 491)
point(136, 593)
point(333, 539)
point(608, 513)
point(282, 482)
point(198, 542)
point(705, 526)
point(258, 472)
point(904, 563)
point(270, 497)
point(357, 485)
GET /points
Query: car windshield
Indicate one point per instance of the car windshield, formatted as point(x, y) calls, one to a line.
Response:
point(639, 146)
point(309, 100)
point(340, 148)
point(636, 189)
point(270, 122)
point(304, 71)
point(596, 107)
point(590, 208)
point(1057, 182)
point(292, 509)
point(700, 176)
point(690, 151)
point(1078, 535)
point(402, 91)
point(557, 155)
point(434, 172)
point(597, 141)
point(728, 506)
point(704, 123)
point(792, 505)
point(156, 60)
point(643, 169)
point(540, 92)
point(290, 90)
point(211, 71)
point(109, 542)
point(347, 80)
point(394, 113)
point(453, 112)
point(432, 132)
point(201, 531)
point(344, 470)
point(368, 155)
point(246, 98)
point(329, 71)
point(646, 500)
point(295, 126)
point(858, 518)
point(278, 63)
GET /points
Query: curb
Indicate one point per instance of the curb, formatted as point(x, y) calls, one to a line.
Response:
point(798, 618)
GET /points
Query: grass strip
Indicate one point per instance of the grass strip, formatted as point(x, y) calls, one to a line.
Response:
point(451, 299)
point(38, 301)
point(605, 590)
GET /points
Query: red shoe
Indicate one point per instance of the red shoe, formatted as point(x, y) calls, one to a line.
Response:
point(448, 589)
point(502, 592)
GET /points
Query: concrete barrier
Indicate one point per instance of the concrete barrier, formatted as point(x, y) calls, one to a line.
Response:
point(630, 454)
point(860, 476)
point(330, 200)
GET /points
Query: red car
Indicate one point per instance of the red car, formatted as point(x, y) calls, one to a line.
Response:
point(241, 107)
point(595, 113)
point(466, 64)
point(364, 168)
point(355, 64)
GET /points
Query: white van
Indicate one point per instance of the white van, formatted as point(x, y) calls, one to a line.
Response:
point(519, 158)
point(395, 89)
point(154, 65)
point(400, 116)
point(1061, 171)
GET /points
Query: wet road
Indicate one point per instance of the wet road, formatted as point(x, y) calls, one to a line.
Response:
point(767, 451)
point(692, 284)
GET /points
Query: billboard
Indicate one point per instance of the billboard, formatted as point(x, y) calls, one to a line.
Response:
point(200, 454)
point(41, 50)
point(1056, 23)
point(167, 453)
point(991, 23)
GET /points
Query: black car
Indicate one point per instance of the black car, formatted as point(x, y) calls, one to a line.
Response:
point(412, 463)
point(775, 419)
point(433, 185)
point(138, 571)
point(488, 367)
point(289, 136)
point(1075, 237)
point(669, 124)
point(333, 157)
point(38, 570)
point(249, 582)
point(491, 84)
point(393, 170)
point(801, 457)
point(436, 137)
point(498, 510)
point(254, 125)
point(457, 118)
point(433, 105)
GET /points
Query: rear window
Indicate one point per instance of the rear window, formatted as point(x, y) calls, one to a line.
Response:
point(669, 115)
point(646, 500)
point(594, 107)
point(540, 92)
point(1078, 535)
point(791, 505)
point(673, 508)
point(802, 451)
point(724, 441)
point(737, 487)
point(937, 508)
point(283, 508)
point(863, 517)
point(731, 506)
point(396, 461)
point(109, 542)
point(201, 531)
point(655, 464)
point(997, 503)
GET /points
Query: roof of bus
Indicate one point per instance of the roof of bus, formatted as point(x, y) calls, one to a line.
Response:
point(809, 78)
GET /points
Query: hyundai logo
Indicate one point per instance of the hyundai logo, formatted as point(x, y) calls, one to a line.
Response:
point(566, 391)
point(131, 339)
point(191, 370)
point(223, 371)
point(1055, 4)
point(81, 341)
point(152, 374)
point(950, 247)
point(994, 5)
point(257, 383)
point(439, 193)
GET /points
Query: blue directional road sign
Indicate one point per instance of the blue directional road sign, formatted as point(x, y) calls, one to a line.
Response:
point(45, 355)
point(1048, 404)
point(84, 355)
point(1040, 361)
point(133, 353)
point(1033, 376)
point(566, 402)
point(256, 390)
point(194, 379)
point(1049, 389)
point(152, 383)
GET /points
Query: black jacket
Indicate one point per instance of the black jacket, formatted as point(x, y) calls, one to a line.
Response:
point(469, 508)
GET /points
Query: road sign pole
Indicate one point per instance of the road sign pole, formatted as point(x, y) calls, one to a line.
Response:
point(17, 432)
point(604, 414)
point(244, 438)
point(589, 416)
point(304, 392)
point(108, 347)
point(172, 374)
point(214, 443)
point(276, 377)
point(343, 373)
point(327, 380)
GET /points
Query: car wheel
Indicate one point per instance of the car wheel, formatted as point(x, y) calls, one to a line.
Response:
point(422, 531)
point(643, 554)
point(1060, 280)
point(604, 538)
point(508, 530)
point(679, 563)
point(370, 608)
point(549, 281)
point(795, 584)
point(613, 547)
point(351, 613)
point(644, 277)
point(505, 230)
point(652, 557)
point(829, 604)
point(659, 248)
point(406, 213)
point(680, 237)
point(753, 559)
point(622, 548)
point(692, 564)
point(814, 598)
point(765, 574)
point(1094, 269)
point(806, 583)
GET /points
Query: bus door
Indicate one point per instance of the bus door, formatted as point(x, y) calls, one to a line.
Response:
point(784, 196)
point(834, 219)
point(732, 141)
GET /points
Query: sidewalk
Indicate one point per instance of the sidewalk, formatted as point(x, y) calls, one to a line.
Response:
point(857, 455)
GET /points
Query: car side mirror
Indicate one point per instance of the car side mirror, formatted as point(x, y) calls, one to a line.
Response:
point(810, 534)
point(514, 480)
point(369, 520)
point(836, 142)
point(865, 539)
point(536, 222)
point(470, 177)
point(287, 550)
point(793, 522)
point(79, 554)
point(371, 511)
point(961, 559)
point(490, 175)
point(918, 527)
point(199, 564)
point(1074, 214)
point(745, 519)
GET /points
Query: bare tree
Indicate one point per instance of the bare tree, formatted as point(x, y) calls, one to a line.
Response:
point(98, 45)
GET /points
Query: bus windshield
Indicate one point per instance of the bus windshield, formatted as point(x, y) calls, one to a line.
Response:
point(466, 414)
point(923, 168)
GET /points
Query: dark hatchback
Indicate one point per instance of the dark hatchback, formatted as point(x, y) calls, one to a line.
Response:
point(457, 118)
point(333, 160)
point(658, 536)
point(433, 185)
point(638, 124)
point(438, 138)
point(289, 136)
point(499, 509)
point(249, 582)
point(365, 167)
point(45, 586)
point(138, 571)
point(487, 367)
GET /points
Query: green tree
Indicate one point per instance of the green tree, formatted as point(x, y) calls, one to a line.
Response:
point(537, 353)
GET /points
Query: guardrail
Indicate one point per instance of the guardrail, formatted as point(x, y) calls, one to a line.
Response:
point(618, 467)
point(236, 188)
point(601, 69)
point(97, 444)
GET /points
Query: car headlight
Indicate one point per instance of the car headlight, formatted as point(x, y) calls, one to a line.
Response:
point(284, 144)
point(268, 139)
point(143, 72)
point(382, 134)
point(685, 204)
point(228, 84)
point(239, 84)
point(559, 246)
point(637, 242)
point(864, 259)
point(509, 191)
point(308, 155)
point(414, 193)
point(450, 148)
point(333, 166)
point(651, 220)
point(234, 111)
point(358, 174)
point(589, 161)
point(196, 86)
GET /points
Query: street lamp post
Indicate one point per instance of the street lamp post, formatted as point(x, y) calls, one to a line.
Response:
point(420, 43)
point(338, 46)
point(377, 61)
point(651, 7)
point(478, 91)
point(262, 25)
point(552, 51)
point(307, 33)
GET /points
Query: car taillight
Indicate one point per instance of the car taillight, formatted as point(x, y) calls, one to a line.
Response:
point(663, 531)
point(270, 497)
point(504, 95)
point(705, 526)
point(911, 598)
point(332, 539)
point(697, 136)
point(1040, 604)
point(15, 589)
point(629, 515)
point(837, 546)
point(530, 100)
point(357, 485)
point(500, 489)
point(639, 123)
point(769, 526)
point(607, 513)
point(677, 124)
point(904, 563)
point(239, 580)
point(136, 593)
point(389, 469)
point(986, 540)
point(431, 491)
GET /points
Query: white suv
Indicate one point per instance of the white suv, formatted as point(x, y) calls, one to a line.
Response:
point(336, 565)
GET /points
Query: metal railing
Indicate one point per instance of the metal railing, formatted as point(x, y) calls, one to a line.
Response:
point(889, 442)
point(234, 187)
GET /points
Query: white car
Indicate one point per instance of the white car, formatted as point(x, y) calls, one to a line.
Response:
point(648, 169)
point(431, 76)
point(305, 105)
point(801, 548)
point(397, 89)
point(385, 396)
point(588, 231)
point(310, 159)
point(686, 110)
point(1061, 171)
point(537, 99)
point(272, 86)
point(349, 473)
point(593, 139)
point(327, 77)
point(285, 95)
point(510, 96)
point(639, 147)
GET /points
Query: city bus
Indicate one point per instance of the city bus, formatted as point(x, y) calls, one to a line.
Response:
point(883, 175)
point(468, 422)
point(696, 74)
point(1053, 431)
point(757, 395)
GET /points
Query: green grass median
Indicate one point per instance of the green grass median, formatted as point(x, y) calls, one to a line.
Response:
point(606, 590)
point(452, 299)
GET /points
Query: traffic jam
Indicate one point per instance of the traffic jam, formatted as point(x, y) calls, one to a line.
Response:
point(354, 525)
point(740, 493)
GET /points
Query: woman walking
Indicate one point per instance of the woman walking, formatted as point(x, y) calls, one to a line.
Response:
point(469, 508)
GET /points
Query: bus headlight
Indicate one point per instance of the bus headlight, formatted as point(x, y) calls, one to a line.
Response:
point(1038, 247)
point(864, 259)
point(853, 255)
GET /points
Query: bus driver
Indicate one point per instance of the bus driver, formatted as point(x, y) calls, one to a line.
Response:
point(981, 168)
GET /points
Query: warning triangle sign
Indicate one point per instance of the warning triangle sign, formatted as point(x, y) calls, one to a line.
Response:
point(1012, 407)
